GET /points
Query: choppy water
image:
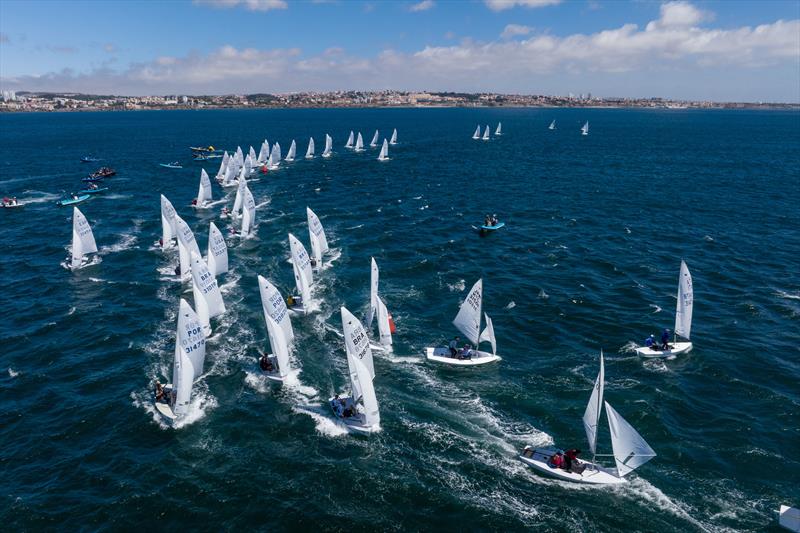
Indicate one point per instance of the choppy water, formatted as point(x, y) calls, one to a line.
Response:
point(596, 228)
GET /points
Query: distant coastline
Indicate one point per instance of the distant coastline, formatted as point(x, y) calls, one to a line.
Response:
point(76, 102)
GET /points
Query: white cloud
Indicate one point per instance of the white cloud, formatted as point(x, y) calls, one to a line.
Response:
point(250, 5)
point(500, 5)
point(422, 6)
point(679, 13)
point(671, 51)
point(513, 30)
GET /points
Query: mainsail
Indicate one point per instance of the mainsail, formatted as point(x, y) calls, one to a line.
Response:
point(82, 237)
point(168, 230)
point(683, 313)
point(273, 304)
point(591, 417)
point(217, 257)
point(468, 319)
point(319, 243)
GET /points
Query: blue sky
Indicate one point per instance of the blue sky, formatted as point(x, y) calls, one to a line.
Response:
point(701, 50)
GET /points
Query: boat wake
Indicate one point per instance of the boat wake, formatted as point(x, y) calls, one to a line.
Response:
point(12, 373)
point(324, 424)
point(657, 308)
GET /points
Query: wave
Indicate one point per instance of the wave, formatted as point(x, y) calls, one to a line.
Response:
point(458, 286)
point(12, 373)
point(511, 305)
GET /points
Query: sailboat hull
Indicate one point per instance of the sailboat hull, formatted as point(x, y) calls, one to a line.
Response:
point(164, 409)
point(593, 474)
point(677, 349)
point(353, 423)
point(442, 355)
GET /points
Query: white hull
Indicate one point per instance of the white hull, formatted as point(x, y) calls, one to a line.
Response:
point(164, 409)
point(274, 375)
point(442, 355)
point(789, 518)
point(593, 474)
point(356, 422)
point(298, 309)
point(676, 348)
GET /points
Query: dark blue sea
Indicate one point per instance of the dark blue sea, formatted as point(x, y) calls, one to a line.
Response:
point(596, 228)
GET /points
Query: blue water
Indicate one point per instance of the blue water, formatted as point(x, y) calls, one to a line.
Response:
point(595, 230)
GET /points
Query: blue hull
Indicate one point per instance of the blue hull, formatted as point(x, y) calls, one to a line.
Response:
point(71, 201)
point(492, 228)
point(93, 191)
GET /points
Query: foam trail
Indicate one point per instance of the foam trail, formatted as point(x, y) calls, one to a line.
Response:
point(12, 373)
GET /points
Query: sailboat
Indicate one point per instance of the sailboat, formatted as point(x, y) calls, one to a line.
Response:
point(217, 257)
point(82, 241)
point(275, 366)
point(207, 297)
point(468, 322)
point(190, 354)
point(303, 277)
point(377, 308)
point(263, 154)
point(168, 231)
point(789, 518)
point(222, 166)
point(359, 410)
point(274, 160)
point(328, 146)
point(310, 151)
point(477, 134)
point(350, 138)
point(384, 155)
point(252, 155)
point(238, 200)
point(630, 449)
point(552, 125)
point(499, 130)
point(359, 143)
point(585, 128)
point(374, 141)
point(292, 151)
point(683, 320)
point(248, 214)
point(233, 170)
point(316, 234)
point(273, 304)
point(393, 140)
point(187, 245)
point(204, 192)
point(486, 133)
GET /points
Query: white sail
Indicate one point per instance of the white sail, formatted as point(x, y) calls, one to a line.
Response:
point(319, 243)
point(585, 128)
point(168, 231)
point(247, 167)
point(204, 192)
point(359, 361)
point(373, 291)
point(222, 166)
point(591, 417)
point(477, 134)
point(552, 125)
point(190, 353)
point(384, 155)
point(263, 153)
point(186, 245)
point(374, 141)
point(238, 200)
point(384, 328)
point(486, 133)
point(328, 146)
point(499, 130)
point(279, 344)
point(217, 257)
point(248, 213)
point(273, 304)
point(630, 450)
point(252, 154)
point(393, 140)
point(349, 140)
point(301, 260)
point(292, 152)
point(488, 334)
point(310, 151)
point(82, 237)
point(683, 313)
point(207, 297)
point(239, 155)
point(359, 143)
point(227, 178)
point(468, 319)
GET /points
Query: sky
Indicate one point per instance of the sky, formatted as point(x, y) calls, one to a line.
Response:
point(700, 50)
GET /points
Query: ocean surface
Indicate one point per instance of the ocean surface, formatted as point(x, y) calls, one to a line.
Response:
point(596, 227)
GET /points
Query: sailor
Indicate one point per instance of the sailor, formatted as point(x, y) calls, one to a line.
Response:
point(494, 219)
point(665, 340)
point(454, 346)
point(487, 220)
point(556, 460)
point(313, 262)
point(466, 352)
point(160, 393)
point(265, 364)
point(571, 459)
point(338, 406)
point(650, 342)
point(194, 202)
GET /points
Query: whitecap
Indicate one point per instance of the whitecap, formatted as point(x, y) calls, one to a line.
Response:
point(458, 286)
point(12, 373)
point(657, 308)
point(324, 425)
point(543, 295)
point(511, 305)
